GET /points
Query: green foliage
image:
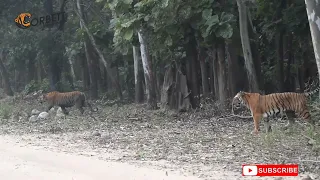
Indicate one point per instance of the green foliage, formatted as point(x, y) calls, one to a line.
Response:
point(34, 86)
point(65, 86)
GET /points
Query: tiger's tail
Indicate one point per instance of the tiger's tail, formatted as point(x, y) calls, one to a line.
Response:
point(307, 94)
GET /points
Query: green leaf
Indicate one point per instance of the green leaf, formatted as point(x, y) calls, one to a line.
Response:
point(206, 14)
point(128, 23)
point(212, 20)
point(225, 31)
point(128, 34)
point(227, 17)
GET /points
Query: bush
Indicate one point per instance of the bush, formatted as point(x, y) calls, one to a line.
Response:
point(5, 111)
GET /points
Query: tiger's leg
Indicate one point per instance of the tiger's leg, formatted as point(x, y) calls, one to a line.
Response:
point(290, 115)
point(64, 110)
point(81, 110)
point(305, 114)
point(80, 105)
point(267, 124)
point(49, 107)
point(256, 119)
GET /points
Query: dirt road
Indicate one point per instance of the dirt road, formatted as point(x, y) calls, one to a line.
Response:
point(20, 162)
point(24, 160)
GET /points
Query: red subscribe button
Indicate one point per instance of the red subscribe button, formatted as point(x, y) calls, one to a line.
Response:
point(270, 170)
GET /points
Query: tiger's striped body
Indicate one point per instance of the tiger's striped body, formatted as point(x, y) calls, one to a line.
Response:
point(265, 106)
point(66, 99)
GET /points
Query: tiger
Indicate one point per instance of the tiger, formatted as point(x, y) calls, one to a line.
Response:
point(265, 106)
point(66, 99)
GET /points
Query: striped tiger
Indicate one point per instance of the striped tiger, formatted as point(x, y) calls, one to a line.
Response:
point(265, 106)
point(66, 99)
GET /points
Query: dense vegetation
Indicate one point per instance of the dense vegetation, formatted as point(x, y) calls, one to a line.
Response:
point(176, 52)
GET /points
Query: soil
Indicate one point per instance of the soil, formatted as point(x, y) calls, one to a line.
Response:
point(203, 143)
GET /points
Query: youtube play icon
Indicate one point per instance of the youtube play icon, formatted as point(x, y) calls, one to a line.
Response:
point(249, 170)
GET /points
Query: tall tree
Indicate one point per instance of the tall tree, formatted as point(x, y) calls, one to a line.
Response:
point(5, 75)
point(243, 23)
point(148, 74)
point(313, 11)
point(137, 76)
point(89, 56)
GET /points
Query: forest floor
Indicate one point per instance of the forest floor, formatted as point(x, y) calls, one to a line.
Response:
point(196, 143)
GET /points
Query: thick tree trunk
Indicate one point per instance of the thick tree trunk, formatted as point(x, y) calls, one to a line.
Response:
point(39, 71)
point(222, 79)
point(192, 66)
point(254, 44)
point(5, 75)
point(92, 72)
point(54, 68)
point(54, 74)
point(148, 75)
point(85, 74)
point(313, 12)
point(104, 61)
point(279, 47)
point(89, 56)
point(289, 79)
point(215, 72)
point(204, 72)
point(211, 78)
point(175, 91)
point(233, 69)
point(243, 21)
point(31, 69)
point(137, 76)
point(72, 73)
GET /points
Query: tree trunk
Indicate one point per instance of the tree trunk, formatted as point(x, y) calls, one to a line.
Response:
point(137, 78)
point(289, 79)
point(279, 47)
point(222, 79)
point(254, 44)
point(31, 69)
point(192, 67)
point(233, 69)
point(85, 74)
point(5, 75)
point(204, 73)
point(89, 56)
point(313, 12)
point(54, 68)
point(243, 21)
point(215, 73)
point(211, 78)
point(148, 75)
point(39, 71)
point(104, 61)
point(72, 73)
point(91, 70)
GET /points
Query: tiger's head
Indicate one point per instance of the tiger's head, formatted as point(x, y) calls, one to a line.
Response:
point(42, 97)
point(240, 99)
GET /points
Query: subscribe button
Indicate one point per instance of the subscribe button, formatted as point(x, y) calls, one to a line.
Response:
point(270, 170)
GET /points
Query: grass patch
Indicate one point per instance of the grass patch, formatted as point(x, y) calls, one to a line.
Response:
point(5, 111)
